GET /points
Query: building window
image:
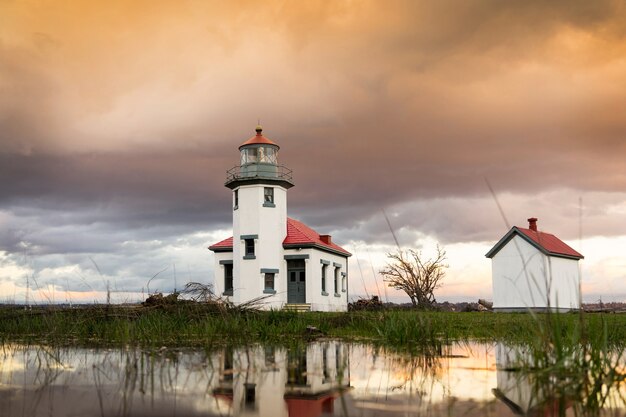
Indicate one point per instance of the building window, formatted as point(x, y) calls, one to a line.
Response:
point(250, 395)
point(268, 197)
point(269, 281)
point(336, 281)
point(324, 279)
point(228, 365)
point(270, 356)
point(325, 364)
point(236, 204)
point(249, 249)
point(228, 279)
point(343, 282)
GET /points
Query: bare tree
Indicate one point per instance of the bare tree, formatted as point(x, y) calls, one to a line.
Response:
point(406, 270)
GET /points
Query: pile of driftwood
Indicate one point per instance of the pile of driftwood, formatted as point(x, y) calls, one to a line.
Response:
point(481, 305)
point(159, 299)
point(373, 303)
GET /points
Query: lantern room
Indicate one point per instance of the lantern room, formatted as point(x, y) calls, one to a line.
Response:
point(258, 162)
point(259, 150)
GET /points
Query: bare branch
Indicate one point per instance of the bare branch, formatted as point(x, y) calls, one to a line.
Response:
point(408, 271)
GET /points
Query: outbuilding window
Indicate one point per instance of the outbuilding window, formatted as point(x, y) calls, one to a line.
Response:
point(336, 281)
point(324, 267)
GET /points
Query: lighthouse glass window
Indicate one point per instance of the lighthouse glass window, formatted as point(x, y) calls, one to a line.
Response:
point(268, 195)
point(267, 155)
point(261, 154)
point(249, 156)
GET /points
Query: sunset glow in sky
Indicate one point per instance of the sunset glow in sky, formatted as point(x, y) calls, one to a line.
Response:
point(119, 119)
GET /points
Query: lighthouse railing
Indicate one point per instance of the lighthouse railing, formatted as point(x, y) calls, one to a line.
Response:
point(259, 171)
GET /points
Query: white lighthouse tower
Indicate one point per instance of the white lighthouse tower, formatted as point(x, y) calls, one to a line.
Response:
point(259, 187)
point(270, 254)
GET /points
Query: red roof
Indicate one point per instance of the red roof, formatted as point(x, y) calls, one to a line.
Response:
point(258, 139)
point(310, 407)
point(545, 242)
point(298, 235)
point(550, 243)
point(223, 245)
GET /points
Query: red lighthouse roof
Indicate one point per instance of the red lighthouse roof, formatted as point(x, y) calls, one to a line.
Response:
point(258, 139)
point(299, 235)
point(225, 245)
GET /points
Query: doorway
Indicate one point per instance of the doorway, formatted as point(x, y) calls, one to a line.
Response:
point(296, 285)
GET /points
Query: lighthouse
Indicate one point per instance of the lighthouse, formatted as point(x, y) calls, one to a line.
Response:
point(271, 255)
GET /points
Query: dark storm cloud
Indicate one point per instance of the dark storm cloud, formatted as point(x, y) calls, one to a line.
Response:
point(130, 127)
point(92, 203)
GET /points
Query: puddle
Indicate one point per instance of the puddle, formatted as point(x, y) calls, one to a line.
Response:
point(328, 378)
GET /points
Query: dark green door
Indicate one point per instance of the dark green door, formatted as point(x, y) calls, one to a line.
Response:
point(296, 287)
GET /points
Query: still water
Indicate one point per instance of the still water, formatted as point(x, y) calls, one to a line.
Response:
point(324, 378)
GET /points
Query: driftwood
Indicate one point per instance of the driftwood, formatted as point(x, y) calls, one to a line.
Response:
point(481, 305)
point(364, 304)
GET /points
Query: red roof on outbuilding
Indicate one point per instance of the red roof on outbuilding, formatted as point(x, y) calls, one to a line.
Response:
point(550, 243)
point(298, 235)
point(545, 242)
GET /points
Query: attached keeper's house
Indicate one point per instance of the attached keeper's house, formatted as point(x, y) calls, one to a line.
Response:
point(269, 253)
point(534, 270)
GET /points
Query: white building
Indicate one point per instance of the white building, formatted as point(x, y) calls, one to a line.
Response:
point(534, 270)
point(269, 253)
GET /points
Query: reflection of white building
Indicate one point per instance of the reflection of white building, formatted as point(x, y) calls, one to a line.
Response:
point(270, 254)
point(268, 381)
point(534, 270)
point(517, 391)
point(513, 390)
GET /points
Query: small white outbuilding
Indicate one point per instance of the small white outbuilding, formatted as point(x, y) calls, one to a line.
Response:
point(534, 270)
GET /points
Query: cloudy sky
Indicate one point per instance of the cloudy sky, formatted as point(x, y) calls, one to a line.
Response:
point(119, 119)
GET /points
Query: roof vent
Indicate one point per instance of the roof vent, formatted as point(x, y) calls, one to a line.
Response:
point(532, 224)
point(326, 239)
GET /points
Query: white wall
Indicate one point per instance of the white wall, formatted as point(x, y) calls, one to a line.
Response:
point(523, 277)
point(219, 271)
point(270, 225)
point(334, 301)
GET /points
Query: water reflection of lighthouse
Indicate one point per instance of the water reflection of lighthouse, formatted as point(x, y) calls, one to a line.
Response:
point(301, 381)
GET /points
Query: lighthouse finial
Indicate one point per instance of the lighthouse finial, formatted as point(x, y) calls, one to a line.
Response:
point(259, 128)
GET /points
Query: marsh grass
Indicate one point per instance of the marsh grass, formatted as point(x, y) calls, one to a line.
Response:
point(198, 324)
point(574, 363)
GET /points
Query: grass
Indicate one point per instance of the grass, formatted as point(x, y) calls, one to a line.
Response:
point(199, 325)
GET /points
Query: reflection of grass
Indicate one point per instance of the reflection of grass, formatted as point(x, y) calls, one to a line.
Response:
point(198, 325)
point(574, 361)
